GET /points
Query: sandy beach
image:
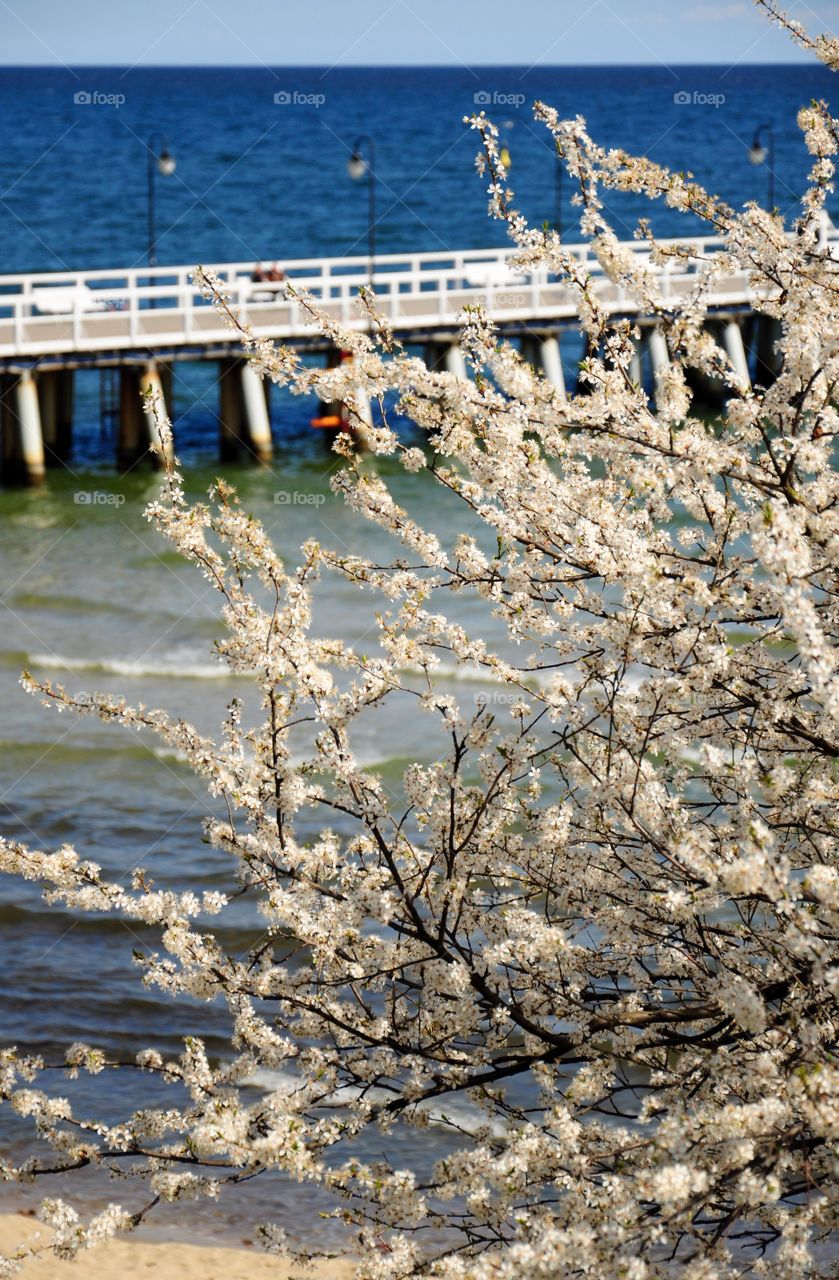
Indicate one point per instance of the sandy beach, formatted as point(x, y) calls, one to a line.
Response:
point(132, 1257)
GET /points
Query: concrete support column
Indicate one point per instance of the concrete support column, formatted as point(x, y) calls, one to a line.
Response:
point(7, 433)
point(48, 404)
point(364, 409)
point(230, 410)
point(528, 350)
point(707, 391)
point(150, 382)
point(768, 360)
point(27, 420)
point(64, 411)
point(166, 381)
point(255, 407)
point(732, 341)
point(446, 356)
point(132, 437)
point(455, 362)
point(583, 387)
point(550, 362)
point(636, 367)
point(657, 347)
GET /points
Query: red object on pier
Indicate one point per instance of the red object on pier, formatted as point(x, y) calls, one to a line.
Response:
point(334, 421)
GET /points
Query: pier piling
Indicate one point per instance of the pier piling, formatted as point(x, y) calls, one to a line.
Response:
point(132, 441)
point(446, 356)
point(767, 360)
point(732, 341)
point(113, 332)
point(230, 410)
point(544, 354)
point(66, 393)
point(636, 366)
point(550, 362)
point(48, 393)
point(455, 362)
point(257, 423)
point(151, 385)
point(657, 347)
point(28, 446)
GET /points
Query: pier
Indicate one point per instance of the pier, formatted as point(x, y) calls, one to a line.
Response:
point(133, 325)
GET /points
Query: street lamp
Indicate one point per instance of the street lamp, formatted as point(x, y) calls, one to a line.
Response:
point(160, 160)
point(558, 193)
point(359, 168)
point(760, 154)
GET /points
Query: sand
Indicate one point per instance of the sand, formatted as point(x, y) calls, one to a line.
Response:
point(131, 1257)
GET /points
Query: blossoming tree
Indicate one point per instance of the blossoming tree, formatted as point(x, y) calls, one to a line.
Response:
point(607, 911)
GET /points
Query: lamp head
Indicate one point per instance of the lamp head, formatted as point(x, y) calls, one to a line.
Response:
point(757, 152)
point(357, 166)
point(166, 163)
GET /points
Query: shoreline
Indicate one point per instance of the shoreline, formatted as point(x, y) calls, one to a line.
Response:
point(131, 1257)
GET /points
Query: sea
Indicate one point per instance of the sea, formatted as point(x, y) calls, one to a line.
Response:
point(92, 597)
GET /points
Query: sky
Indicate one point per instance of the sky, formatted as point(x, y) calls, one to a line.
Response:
point(328, 33)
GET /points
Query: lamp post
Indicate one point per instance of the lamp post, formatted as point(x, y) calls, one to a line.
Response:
point(760, 154)
point(358, 168)
point(160, 160)
point(558, 193)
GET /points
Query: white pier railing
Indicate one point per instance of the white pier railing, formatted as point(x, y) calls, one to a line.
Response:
point(149, 309)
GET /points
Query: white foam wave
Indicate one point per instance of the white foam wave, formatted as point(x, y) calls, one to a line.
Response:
point(450, 1114)
point(170, 753)
point(165, 668)
point(472, 673)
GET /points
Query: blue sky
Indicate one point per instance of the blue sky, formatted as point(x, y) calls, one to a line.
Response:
point(365, 32)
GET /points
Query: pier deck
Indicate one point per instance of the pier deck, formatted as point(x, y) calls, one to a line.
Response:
point(141, 320)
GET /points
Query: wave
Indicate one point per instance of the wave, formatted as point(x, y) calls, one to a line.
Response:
point(451, 1114)
point(164, 668)
point(173, 754)
point(71, 604)
point(67, 752)
point(13, 658)
point(472, 673)
point(43, 922)
point(52, 918)
point(173, 666)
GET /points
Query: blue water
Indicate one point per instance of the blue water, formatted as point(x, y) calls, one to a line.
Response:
point(259, 180)
point(90, 596)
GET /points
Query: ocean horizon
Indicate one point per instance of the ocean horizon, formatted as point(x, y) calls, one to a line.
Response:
point(263, 179)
